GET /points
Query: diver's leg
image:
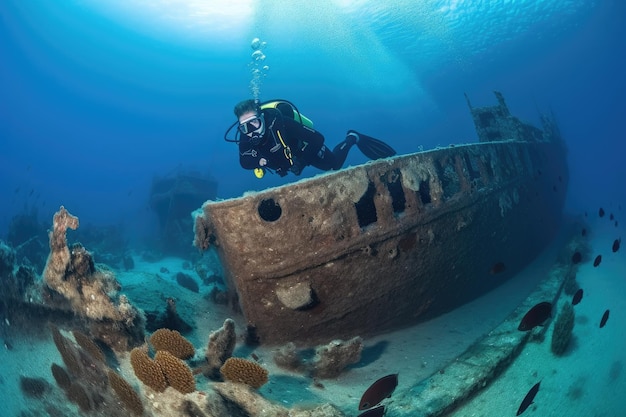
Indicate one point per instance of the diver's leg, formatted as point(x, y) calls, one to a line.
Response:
point(371, 147)
point(340, 152)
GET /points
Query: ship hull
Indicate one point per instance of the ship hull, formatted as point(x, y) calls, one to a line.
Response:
point(386, 244)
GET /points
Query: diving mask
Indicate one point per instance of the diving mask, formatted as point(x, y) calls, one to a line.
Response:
point(253, 124)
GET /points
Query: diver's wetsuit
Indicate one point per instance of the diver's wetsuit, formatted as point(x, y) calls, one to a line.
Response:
point(288, 145)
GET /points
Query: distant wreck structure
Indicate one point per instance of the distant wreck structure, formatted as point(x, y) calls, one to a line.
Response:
point(391, 242)
point(173, 198)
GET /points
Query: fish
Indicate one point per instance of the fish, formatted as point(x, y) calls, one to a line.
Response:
point(597, 261)
point(536, 316)
point(577, 297)
point(601, 212)
point(616, 244)
point(528, 399)
point(605, 317)
point(373, 412)
point(584, 232)
point(615, 223)
point(378, 391)
point(497, 268)
point(611, 217)
point(576, 258)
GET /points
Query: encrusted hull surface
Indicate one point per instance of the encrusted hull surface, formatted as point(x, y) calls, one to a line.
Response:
point(388, 243)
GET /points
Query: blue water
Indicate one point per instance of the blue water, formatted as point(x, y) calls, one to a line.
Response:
point(97, 98)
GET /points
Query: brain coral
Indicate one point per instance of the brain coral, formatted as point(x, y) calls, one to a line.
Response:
point(126, 393)
point(176, 372)
point(172, 342)
point(147, 371)
point(244, 371)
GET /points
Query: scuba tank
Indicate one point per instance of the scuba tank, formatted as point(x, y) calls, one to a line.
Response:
point(287, 109)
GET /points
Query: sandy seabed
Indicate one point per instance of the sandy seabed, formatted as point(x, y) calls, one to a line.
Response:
point(588, 381)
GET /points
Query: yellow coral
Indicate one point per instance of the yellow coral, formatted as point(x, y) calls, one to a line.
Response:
point(172, 342)
point(244, 371)
point(126, 393)
point(147, 371)
point(176, 372)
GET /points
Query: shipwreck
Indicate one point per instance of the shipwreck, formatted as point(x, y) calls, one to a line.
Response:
point(391, 242)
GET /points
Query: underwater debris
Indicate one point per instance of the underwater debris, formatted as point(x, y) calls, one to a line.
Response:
point(287, 357)
point(562, 332)
point(330, 360)
point(186, 281)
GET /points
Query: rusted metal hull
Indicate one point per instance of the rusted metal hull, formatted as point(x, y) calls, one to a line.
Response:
point(389, 243)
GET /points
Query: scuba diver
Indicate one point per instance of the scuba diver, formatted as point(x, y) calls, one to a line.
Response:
point(273, 136)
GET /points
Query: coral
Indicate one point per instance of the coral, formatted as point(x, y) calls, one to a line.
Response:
point(563, 327)
point(177, 373)
point(88, 345)
point(59, 258)
point(126, 393)
point(186, 281)
point(34, 387)
point(61, 376)
point(287, 357)
point(68, 351)
point(77, 394)
point(146, 370)
point(221, 346)
point(91, 292)
point(172, 342)
point(330, 360)
point(244, 371)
